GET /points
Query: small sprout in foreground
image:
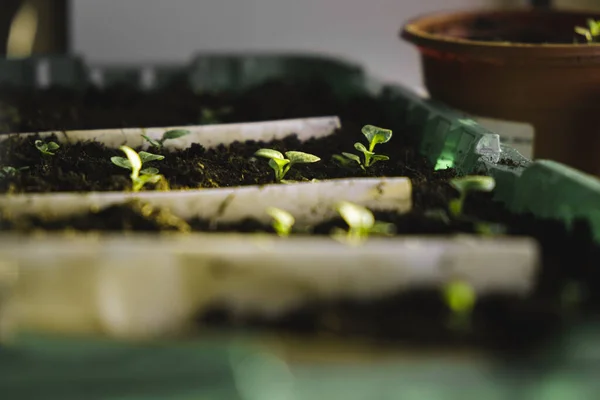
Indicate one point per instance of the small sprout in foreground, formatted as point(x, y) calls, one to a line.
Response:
point(361, 223)
point(143, 156)
point(467, 184)
point(46, 148)
point(9, 172)
point(172, 134)
point(283, 221)
point(282, 165)
point(490, 229)
point(591, 33)
point(375, 136)
point(211, 116)
point(439, 215)
point(134, 161)
point(460, 297)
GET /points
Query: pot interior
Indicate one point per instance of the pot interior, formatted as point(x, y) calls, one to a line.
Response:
point(525, 27)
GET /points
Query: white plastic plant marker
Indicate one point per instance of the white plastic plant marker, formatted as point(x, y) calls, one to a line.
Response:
point(308, 202)
point(206, 135)
point(144, 286)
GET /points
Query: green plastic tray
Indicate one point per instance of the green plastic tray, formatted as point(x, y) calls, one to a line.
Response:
point(448, 138)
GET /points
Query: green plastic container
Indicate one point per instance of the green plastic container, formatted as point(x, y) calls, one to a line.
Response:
point(65, 369)
point(447, 137)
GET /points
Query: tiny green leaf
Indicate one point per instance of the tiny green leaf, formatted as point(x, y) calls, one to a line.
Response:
point(460, 297)
point(121, 162)
point(147, 157)
point(174, 134)
point(298, 157)
point(378, 157)
point(149, 171)
point(470, 183)
point(52, 146)
point(357, 217)
point(361, 147)
point(8, 171)
point(438, 214)
point(46, 148)
point(280, 166)
point(280, 163)
point(376, 135)
point(282, 220)
point(134, 159)
point(269, 153)
point(383, 228)
point(141, 181)
point(352, 157)
point(154, 143)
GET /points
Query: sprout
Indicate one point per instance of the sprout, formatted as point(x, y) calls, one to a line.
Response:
point(211, 116)
point(282, 165)
point(9, 172)
point(172, 134)
point(361, 222)
point(460, 297)
point(282, 221)
point(375, 136)
point(591, 33)
point(467, 184)
point(46, 148)
point(134, 162)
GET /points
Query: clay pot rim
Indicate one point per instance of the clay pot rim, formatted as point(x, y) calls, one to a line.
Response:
point(416, 32)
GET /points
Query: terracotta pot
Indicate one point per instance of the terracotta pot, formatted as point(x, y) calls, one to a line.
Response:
point(521, 66)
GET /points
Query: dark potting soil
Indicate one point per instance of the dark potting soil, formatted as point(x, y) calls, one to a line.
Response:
point(87, 166)
point(124, 106)
point(509, 162)
point(515, 31)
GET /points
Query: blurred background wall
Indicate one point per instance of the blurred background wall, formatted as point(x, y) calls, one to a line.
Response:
point(138, 31)
point(362, 30)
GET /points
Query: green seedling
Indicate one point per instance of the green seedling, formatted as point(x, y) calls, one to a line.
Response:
point(460, 298)
point(134, 162)
point(375, 136)
point(9, 172)
point(466, 185)
point(361, 223)
point(172, 134)
point(211, 116)
point(46, 148)
point(144, 158)
point(281, 165)
point(591, 33)
point(283, 221)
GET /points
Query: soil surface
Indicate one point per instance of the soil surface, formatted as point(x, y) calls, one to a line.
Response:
point(522, 31)
point(87, 166)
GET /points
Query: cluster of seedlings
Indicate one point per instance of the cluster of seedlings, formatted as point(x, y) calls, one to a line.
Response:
point(281, 164)
point(142, 174)
point(360, 221)
point(459, 296)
